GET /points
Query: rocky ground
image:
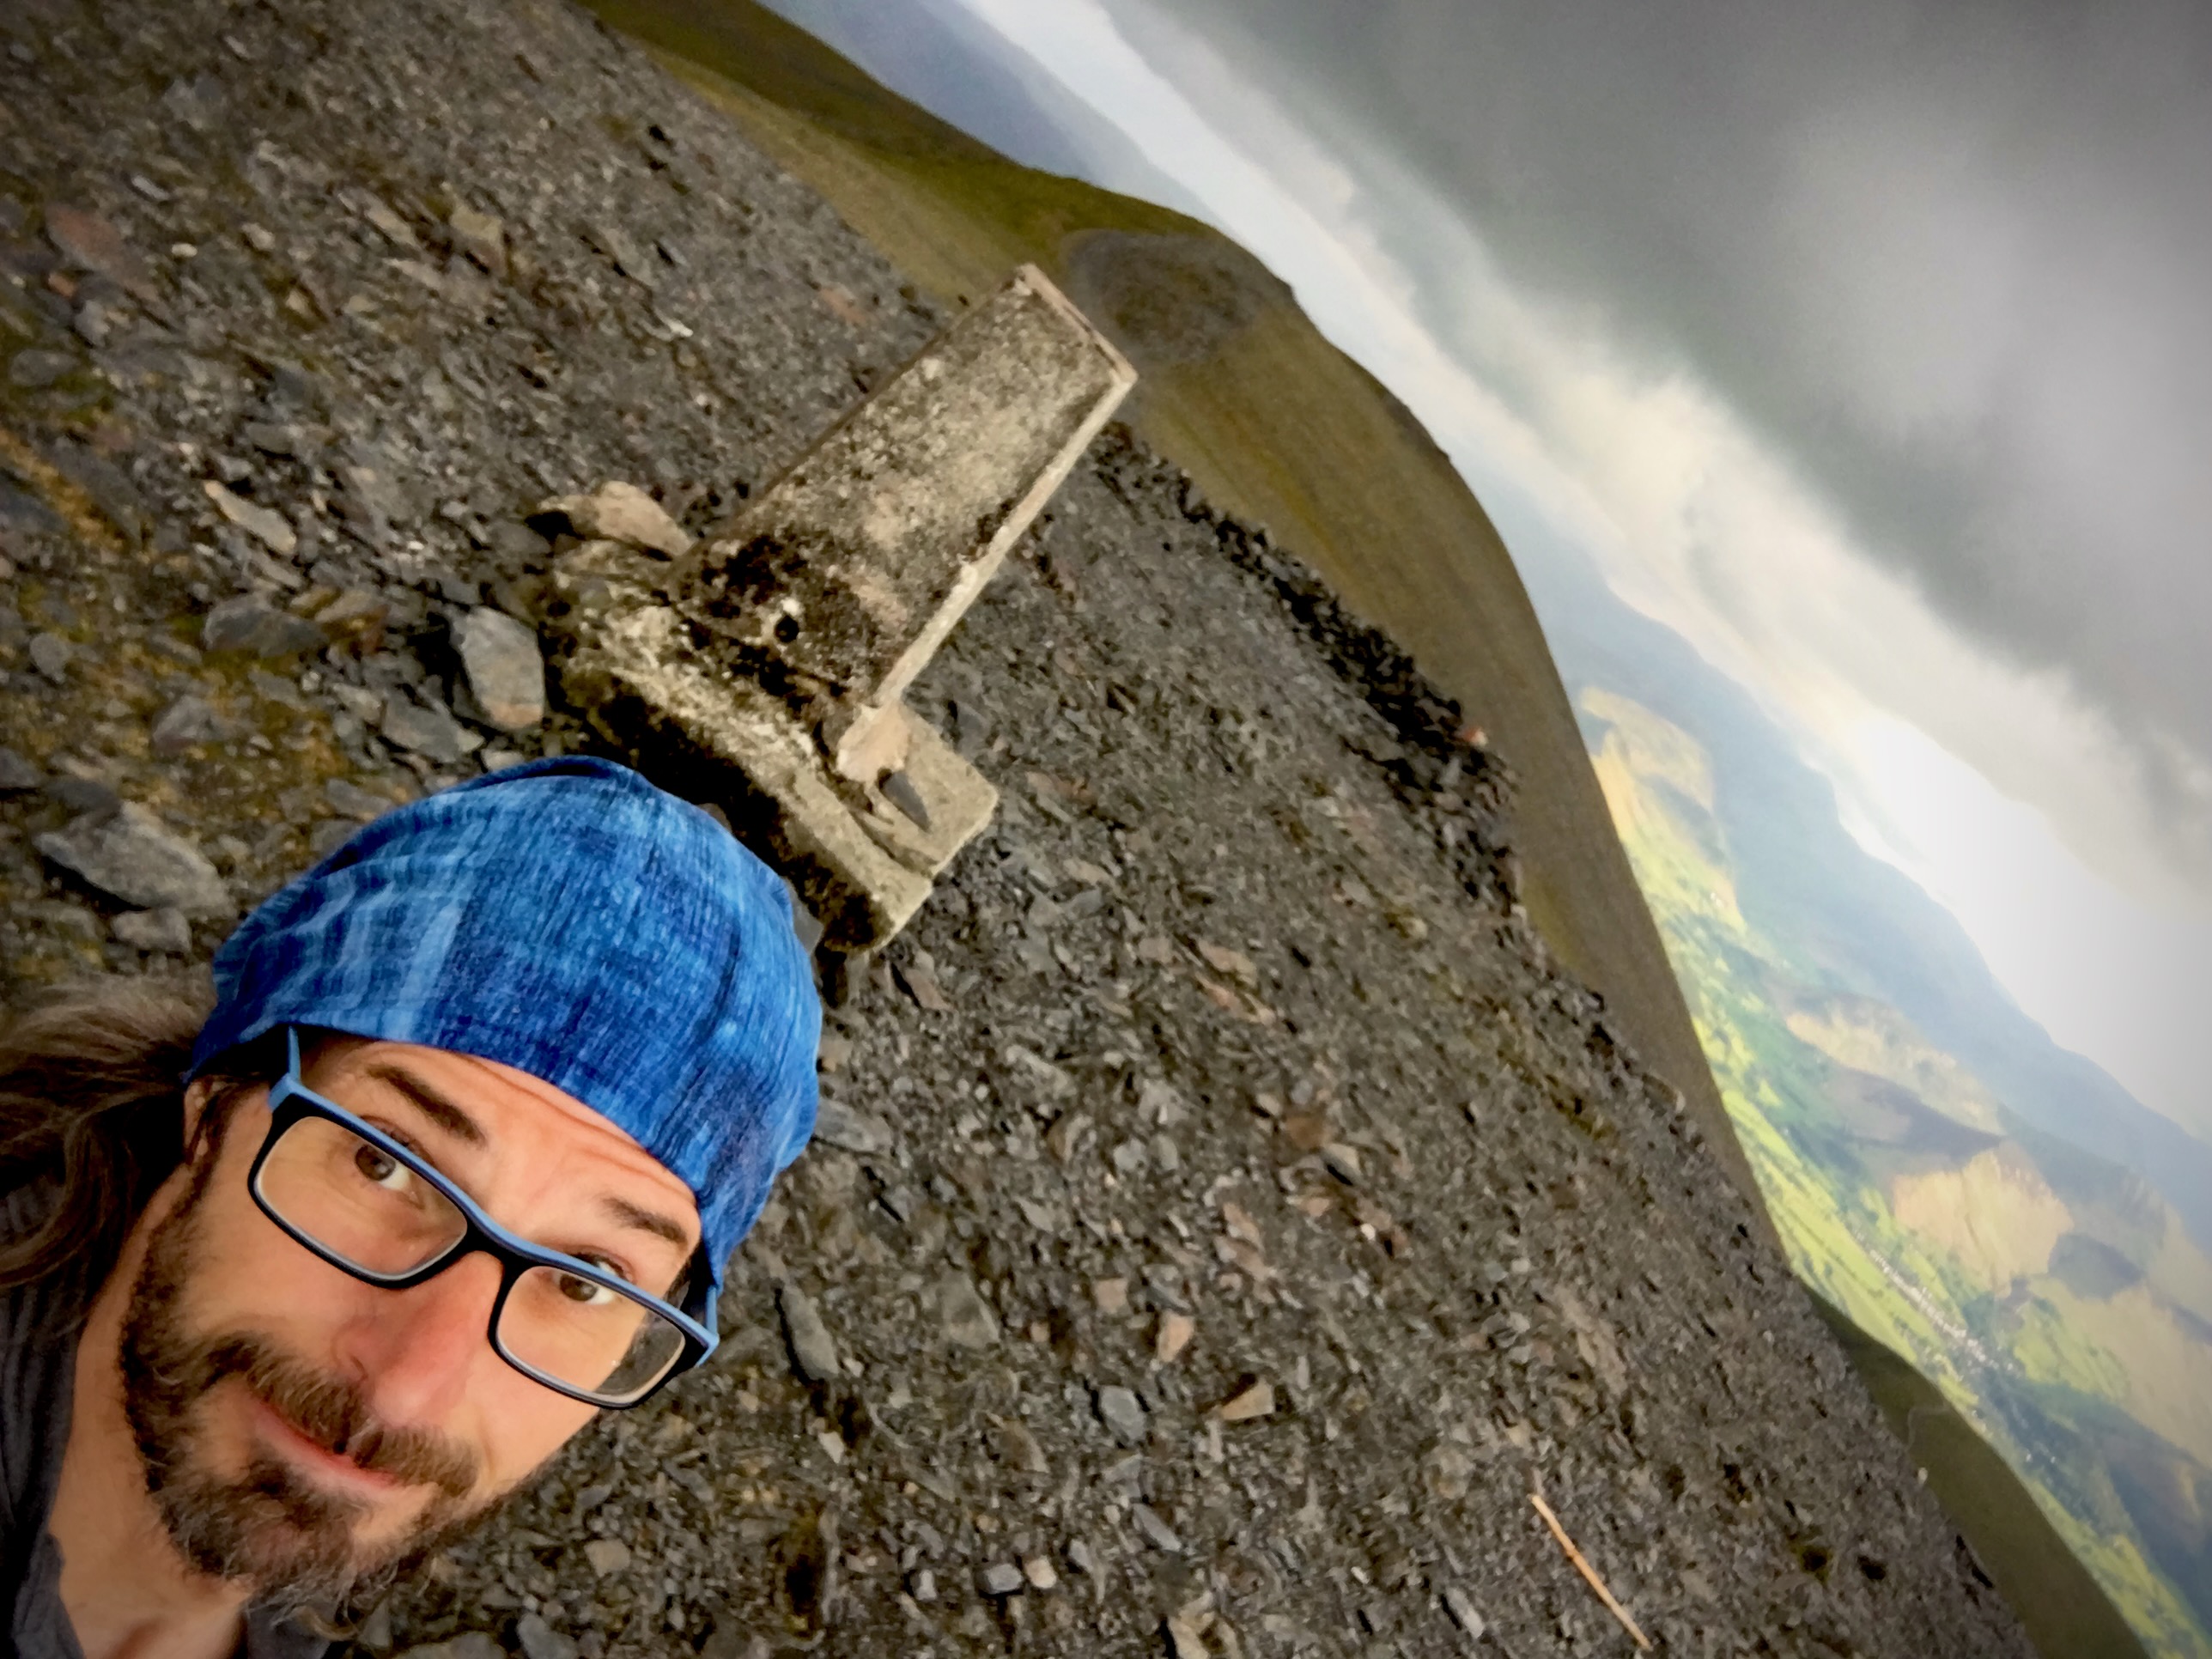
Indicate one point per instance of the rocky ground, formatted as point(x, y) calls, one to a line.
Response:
point(1225, 1218)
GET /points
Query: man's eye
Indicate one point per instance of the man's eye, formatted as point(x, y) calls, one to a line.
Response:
point(386, 1171)
point(584, 1291)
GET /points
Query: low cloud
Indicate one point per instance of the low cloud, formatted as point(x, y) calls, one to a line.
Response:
point(1946, 264)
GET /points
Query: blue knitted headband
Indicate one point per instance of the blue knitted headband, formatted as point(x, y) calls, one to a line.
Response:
point(568, 919)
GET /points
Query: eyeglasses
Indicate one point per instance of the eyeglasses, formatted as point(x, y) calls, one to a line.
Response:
point(368, 1203)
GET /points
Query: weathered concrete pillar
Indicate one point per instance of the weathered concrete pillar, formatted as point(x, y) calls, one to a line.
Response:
point(764, 668)
point(838, 582)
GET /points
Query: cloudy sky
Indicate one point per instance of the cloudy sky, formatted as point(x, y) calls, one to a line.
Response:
point(1871, 347)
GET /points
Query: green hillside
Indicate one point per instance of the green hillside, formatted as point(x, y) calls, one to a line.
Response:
point(2066, 1609)
point(1273, 422)
point(2029, 1315)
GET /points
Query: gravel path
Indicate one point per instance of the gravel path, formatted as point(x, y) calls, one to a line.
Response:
point(1224, 1217)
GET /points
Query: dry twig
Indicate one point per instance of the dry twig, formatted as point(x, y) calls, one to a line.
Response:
point(1588, 1572)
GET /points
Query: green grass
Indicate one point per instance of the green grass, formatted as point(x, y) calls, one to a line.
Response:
point(1275, 424)
point(2043, 1395)
point(2065, 1610)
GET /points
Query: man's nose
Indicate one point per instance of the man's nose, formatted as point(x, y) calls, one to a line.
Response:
point(414, 1352)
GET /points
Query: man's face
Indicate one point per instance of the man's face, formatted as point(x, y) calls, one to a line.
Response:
point(309, 1433)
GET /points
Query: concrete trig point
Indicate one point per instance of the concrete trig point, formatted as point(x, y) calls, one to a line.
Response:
point(763, 669)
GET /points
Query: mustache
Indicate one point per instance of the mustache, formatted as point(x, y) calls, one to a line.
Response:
point(332, 1413)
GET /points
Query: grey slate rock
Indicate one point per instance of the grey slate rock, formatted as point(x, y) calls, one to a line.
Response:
point(431, 733)
point(505, 671)
point(855, 1130)
point(38, 367)
point(971, 727)
point(481, 236)
point(353, 800)
point(52, 654)
point(265, 524)
point(191, 720)
point(272, 688)
point(17, 775)
point(95, 322)
point(1157, 1532)
point(165, 931)
point(813, 1350)
point(61, 918)
point(376, 1631)
point(278, 438)
point(196, 102)
point(517, 542)
point(607, 1555)
point(803, 922)
point(134, 857)
point(968, 1319)
point(1122, 1414)
point(110, 487)
point(374, 499)
point(1463, 1612)
point(250, 626)
point(22, 511)
point(641, 268)
point(999, 1578)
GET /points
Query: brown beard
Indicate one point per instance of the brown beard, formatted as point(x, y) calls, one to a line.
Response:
point(290, 1540)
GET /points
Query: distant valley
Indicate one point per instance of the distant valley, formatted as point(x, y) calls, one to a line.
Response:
point(2038, 1251)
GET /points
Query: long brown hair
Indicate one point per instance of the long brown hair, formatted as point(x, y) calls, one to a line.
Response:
point(92, 1108)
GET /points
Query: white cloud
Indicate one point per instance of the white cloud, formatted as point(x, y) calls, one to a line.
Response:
point(2107, 975)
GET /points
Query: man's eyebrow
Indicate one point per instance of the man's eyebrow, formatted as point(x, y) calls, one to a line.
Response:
point(651, 1221)
point(438, 1108)
point(448, 1115)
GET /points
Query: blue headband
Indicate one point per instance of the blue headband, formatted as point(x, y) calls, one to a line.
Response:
point(568, 919)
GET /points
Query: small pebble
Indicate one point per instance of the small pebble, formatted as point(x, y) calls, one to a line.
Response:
point(51, 655)
point(1122, 1414)
point(1257, 1400)
point(1157, 1532)
point(607, 1556)
point(1175, 1334)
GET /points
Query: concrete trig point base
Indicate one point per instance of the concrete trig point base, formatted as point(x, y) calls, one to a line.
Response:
point(763, 669)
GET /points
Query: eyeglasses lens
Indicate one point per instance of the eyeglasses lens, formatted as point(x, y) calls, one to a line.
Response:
point(365, 1207)
point(567, 1328)
point(356, 1200)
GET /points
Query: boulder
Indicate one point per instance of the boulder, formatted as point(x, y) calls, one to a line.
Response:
point(132, 856)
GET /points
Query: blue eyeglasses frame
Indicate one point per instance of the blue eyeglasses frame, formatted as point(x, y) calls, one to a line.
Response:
point(290, 1100)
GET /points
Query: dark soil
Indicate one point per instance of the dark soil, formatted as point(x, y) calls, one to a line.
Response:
point(1231, 1017)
